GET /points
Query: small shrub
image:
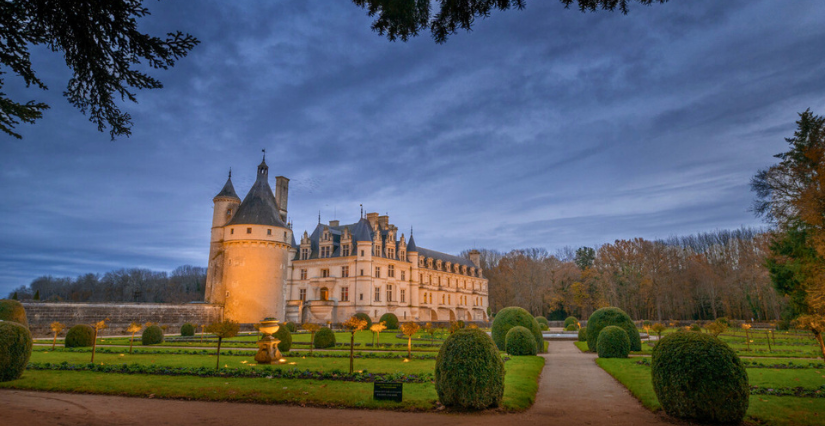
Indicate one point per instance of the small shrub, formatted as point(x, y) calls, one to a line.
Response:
point(469, 372)
point(543, 322)
point(324, 338)
point(613, 343)
point(570, 320)
point(696, 327)
point(390, 320)
point(571, 327)
point(290, 326)
point(285, 337)
point(80, 336)
point(12, 310)
point(697, 376)
point(520, 341)
point(510, 317)
point(583, 334)
point(612, 316)
point(151, 336)
point(15, 349)
point(365, 317)
point(187, 330)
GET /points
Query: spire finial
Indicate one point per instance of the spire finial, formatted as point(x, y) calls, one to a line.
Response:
point(230, 173)
point(411, 229)
point(362, 211)
point(319, 217)
point(264, 151)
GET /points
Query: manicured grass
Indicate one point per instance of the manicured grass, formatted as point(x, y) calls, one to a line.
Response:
point(521, 385)
point(774, 378)
point(581, 345)
point(772, 410)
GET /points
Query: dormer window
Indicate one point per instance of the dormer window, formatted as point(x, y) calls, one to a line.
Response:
point(268, 232)
point(345, 250)
point(248, 230)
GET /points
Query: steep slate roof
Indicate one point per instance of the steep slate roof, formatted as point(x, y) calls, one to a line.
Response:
point(411, 245)
point(228, 190)
point(444, 257)
point(259, 206)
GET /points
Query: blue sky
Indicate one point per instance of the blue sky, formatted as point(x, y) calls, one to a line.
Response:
point(544, 127)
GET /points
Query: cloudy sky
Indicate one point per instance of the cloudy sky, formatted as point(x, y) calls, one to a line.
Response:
point(544, 127)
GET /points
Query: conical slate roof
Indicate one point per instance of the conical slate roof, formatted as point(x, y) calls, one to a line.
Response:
point(362, 231)
point(411, 245)
point(228, 190)
point(259, 206)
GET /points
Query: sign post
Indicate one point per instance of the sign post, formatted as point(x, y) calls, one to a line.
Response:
point(388, 391)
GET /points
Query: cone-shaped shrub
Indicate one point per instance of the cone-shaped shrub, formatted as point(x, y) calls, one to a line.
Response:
point(390, 320)
point(697, 376)
point(469, 372)
point(510, 317)
point(187, 330)
point(570, 320)
point(12, 310)
point(613, 343)
point(285, 337)
point(583, 334)
point(15, 350)
point(324, 338)
point(520, 341)
point(152, 335)
point(611, 316)
point(365, 317)
point(80, 336)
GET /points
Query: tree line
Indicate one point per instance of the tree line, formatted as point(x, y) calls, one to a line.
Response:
point(697, 277)
point(184, 284)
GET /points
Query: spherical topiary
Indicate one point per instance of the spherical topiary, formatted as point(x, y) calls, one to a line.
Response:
point(543, 321)
point(187, 330)
point(324, 338)
point(611, 316)
point(697, 376)
point(510, 317)
point(285, 337)
point(469, 372)
point(571, 327)
point(79, 336)
point(570, 320)
point(583, 334)
point(15, 350)
point(365, 317)
point(12, 310)
point(152, 335)
point(520, 341)
point(289, 325)
point(613, 343)
point(390, 320)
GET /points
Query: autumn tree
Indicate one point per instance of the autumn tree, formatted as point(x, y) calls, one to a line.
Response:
point(409, 329)
point(98, 326)
point(353, 325)
point(56, 328)
point(376, 329)
point(133, 328)
point(223, 330)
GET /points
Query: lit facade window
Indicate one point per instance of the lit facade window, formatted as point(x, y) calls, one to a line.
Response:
point(324, 273)
point(345, 271)
point(389, 293)
point(303, 274)
point(403, 295)
point(377, 272)
point(302, 294)
point(345, 294)
point(391, 271)
point(377, 294)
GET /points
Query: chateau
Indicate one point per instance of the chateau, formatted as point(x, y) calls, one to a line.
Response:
point(258, 270)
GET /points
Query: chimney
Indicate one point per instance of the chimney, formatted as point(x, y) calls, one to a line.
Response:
point(372, 218)
point(282, 195)
point(334, 223)
point(475, 257)
point(384, 221)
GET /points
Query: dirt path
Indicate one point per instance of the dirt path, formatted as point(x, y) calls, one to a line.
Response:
point(573, 390)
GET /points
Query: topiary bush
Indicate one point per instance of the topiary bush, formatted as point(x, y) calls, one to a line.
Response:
point(390, 320)
point(583, 334)
point(15, 349)
point(324, 338)
point(187, 330)
point(697, 376)
point(520, 341)
point(611, 316)
point(285, 337)
point(510, 317)
point(469, 372)
point(365, 317)
point(79, 336)
point(543, 322)
point(290, 326)
point(152, 335)
point(571, 327)
point(12, 310)
point(613, 343)
point(570, 320)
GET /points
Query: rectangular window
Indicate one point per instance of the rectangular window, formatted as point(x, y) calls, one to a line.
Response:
point(345, 250)
point(303, 274)
point(377, 272)
point(391, 271)
point(377, 294)
point(361, 296)
point(402, 275)
point(403, 296)
point(362, 253)
point(324, 273)
point(345, 271)
point(302, 294)
point(248, 230)
point(231, 231)
point(449, 299)
point(389, 293)
point(268, 232)
point(304, 253)
point(345, 294)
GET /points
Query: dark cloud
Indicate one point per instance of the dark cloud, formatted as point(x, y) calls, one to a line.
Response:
point(544, 127)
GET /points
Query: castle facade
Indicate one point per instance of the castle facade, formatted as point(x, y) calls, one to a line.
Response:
point(257, 270)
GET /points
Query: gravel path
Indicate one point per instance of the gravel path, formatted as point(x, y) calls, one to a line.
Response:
point(573, 390)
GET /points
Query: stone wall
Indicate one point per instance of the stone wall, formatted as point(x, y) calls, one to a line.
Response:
point(119, 315)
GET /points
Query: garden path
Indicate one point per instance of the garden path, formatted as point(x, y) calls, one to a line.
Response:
point(573, 390)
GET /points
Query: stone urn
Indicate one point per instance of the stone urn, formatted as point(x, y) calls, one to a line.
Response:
point(268, 346)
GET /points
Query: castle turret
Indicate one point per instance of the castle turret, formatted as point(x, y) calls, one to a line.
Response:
point(225, 206)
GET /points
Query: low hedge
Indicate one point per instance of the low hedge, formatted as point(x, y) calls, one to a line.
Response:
point(152, 335)
point(12, 310)
point(469, 372)
point(324, 338)
point(15, 349)
point(79, 336)
point(612, 316)
point(697, 376)
point(613, 343)
point(390, 320)
point(187, 330)
point(520, 341)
